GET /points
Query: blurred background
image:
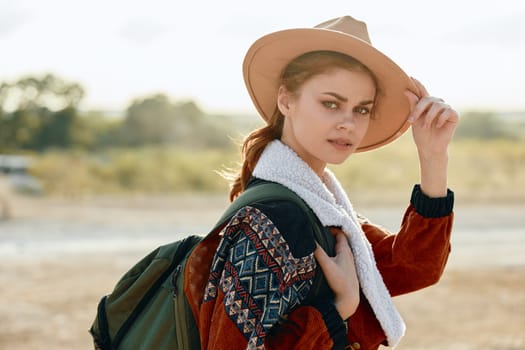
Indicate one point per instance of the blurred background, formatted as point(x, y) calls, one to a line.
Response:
point(116, 119)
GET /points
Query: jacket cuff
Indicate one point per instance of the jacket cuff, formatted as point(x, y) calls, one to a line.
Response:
point(334, 323)
point(432, 207)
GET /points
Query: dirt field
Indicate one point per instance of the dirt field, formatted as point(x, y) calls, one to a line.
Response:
point(48, 296)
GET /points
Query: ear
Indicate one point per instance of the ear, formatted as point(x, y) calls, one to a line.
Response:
point(283, 101)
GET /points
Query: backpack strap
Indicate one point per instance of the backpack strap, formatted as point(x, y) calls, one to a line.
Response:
point(268, 191)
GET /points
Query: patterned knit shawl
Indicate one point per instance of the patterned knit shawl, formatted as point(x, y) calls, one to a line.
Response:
point(279, 163)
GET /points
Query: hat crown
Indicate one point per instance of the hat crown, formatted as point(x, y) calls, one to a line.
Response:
point(347, 25)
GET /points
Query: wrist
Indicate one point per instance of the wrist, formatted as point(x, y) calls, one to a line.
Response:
point(433, 173)
point(433, 156)
point(346, 309)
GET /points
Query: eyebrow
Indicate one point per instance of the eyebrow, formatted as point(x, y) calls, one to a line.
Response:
point(344, 99)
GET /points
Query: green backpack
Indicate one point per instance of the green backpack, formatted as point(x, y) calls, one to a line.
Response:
point(148, 309)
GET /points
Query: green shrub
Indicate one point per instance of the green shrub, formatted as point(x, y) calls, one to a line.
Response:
point(478, 169)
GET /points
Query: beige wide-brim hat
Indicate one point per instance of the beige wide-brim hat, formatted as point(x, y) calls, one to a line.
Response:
point(268, 57)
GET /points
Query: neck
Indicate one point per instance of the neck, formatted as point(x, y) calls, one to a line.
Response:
point(315, 164)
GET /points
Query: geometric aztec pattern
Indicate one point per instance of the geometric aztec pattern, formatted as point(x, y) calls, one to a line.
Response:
point(258, 274)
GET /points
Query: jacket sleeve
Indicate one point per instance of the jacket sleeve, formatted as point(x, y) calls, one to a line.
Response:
point(415, 257)
point(258, 278)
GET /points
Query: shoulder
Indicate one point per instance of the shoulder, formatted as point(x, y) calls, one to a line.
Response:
point(286, 219)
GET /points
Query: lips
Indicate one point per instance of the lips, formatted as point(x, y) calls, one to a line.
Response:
point(341, 142)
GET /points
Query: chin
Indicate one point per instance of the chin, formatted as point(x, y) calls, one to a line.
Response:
point(338, 161)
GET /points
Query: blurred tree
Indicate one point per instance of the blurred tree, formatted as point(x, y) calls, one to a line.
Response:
point(57, 129)
point(157, 120)
point(42, 112)
point(147, 121)
point(49, 92)
point(190, 127)
point(19, 129)
point(36, 113)
point(95, 130)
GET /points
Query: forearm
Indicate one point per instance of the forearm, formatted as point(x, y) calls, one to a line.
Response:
point(433, 172)
point(415, 257)
point(433, 125)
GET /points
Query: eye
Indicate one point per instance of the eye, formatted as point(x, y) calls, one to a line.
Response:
point(362, 110)
point(331, 105)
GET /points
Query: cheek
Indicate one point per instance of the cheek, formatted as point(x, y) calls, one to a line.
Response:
point(305, 120)
point(315, 125)
point(363, 126)
point(366, 124)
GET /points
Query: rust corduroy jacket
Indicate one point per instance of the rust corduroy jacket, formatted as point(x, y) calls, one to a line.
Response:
point(412, 259)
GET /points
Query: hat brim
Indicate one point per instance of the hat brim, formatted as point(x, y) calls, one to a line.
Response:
point(268, 56)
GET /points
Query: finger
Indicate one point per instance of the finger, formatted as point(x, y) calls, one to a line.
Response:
point(421, 108)
point(448, 115)
point(417, 92)
point(341, 245)
point(322, 258)
point(335, 231)
point(412, 99)
point(433, 113)
point(330, 268)
point(423, 91)
point(341, 237)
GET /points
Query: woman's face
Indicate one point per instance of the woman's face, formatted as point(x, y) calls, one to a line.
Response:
point(327, 118)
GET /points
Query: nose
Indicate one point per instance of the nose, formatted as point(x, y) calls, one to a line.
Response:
point(346, 122)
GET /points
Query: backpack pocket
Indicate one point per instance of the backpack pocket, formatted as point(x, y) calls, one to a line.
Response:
point(139, 313)
point(187, 333)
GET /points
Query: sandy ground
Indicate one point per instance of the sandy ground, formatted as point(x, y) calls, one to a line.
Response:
point(48, 297)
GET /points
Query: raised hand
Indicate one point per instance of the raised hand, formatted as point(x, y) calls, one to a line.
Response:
point(433, 121)
point(433, 125)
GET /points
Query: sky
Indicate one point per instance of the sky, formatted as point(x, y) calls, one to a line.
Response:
point(470, 53)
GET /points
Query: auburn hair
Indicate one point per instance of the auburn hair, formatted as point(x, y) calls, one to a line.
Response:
point(296, 73)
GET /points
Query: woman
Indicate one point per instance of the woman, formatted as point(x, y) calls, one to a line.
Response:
point(325, 93)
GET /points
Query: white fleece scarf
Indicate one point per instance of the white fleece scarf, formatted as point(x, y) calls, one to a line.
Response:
point(279, 163)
